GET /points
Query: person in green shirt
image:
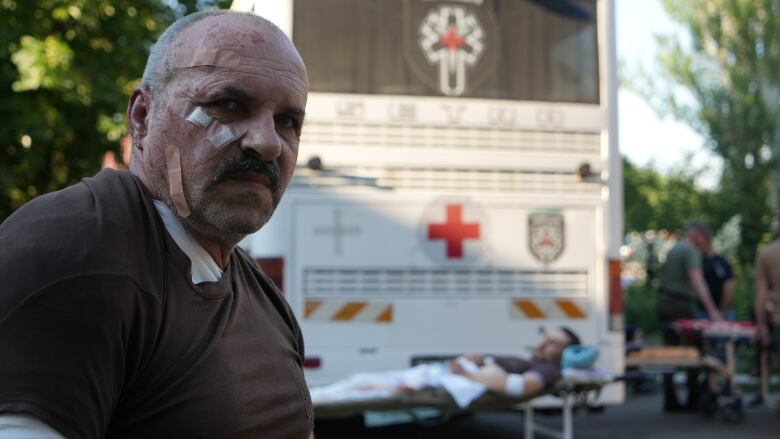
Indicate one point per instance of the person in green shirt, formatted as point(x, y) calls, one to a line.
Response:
point(682, 280)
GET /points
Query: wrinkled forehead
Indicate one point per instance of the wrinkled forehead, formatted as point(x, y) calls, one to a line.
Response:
point(235, 42)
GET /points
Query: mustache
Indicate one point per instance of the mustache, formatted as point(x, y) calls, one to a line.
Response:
point(251, 163)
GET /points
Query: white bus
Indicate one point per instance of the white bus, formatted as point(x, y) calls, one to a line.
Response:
point(459, 183)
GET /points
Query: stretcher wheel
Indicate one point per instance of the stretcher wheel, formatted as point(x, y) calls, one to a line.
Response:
point(732, 412)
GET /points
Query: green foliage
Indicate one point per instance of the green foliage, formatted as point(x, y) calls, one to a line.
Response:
point(654, 201)
point(726, 84)
point(640, 307)
point(67, 69)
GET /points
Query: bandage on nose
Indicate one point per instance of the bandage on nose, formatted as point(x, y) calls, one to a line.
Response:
point(221, 135)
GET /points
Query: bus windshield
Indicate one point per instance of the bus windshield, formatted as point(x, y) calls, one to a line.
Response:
point(529, 50)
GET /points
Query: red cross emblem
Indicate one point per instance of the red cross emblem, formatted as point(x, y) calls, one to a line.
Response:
point(454, 231)
point(452, 39)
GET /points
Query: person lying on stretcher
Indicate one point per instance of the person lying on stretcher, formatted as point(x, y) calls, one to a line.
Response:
point(516, 376)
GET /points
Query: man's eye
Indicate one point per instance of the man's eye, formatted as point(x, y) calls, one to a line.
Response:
point(286, 122)
point(226, 105)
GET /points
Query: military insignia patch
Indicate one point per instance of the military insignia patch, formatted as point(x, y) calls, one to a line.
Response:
point(546, 236)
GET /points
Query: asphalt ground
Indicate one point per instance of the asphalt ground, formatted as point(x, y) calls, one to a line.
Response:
point(640, 417)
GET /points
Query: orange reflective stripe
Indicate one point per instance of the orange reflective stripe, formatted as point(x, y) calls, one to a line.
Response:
point(386, 316)
point(529, 309)
point(571, 309)
point(311, 306)
point(350, 310)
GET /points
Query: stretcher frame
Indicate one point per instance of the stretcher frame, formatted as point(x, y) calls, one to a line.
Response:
point(573, 392)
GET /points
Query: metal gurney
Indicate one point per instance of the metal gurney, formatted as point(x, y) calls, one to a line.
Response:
point(574, 389)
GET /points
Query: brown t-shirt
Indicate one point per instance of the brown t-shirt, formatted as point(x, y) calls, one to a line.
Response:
point(768, 268)
point(103, 334)
point(550, 373)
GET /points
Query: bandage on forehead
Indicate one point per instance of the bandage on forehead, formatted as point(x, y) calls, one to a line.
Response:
point(232, 59)
point(209, 57)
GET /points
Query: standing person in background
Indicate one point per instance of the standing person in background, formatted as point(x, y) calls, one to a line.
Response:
point(766, 305)
point(682, 280)
point(767, 282)
point(682, 277)
point(720, 280)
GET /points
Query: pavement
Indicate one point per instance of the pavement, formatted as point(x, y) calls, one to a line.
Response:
point(640, 417)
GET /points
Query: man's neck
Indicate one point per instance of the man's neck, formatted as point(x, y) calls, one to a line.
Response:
point(219, 250)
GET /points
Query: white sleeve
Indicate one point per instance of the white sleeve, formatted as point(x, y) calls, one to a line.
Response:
point(13, 426)
point(515, 385)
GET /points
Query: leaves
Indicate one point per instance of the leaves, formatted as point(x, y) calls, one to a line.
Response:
point(654, 201)
point(69, 68)
point(728, 76)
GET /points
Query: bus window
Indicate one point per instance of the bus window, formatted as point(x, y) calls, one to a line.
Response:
point(530, 50)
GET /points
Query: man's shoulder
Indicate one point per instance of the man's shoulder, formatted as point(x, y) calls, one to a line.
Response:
point(99, 225)
point(108, 196)
point(680, 250)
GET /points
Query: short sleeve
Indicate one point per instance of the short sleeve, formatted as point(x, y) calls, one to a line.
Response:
point(549, 373)
point(693, 258)
point(63, 353)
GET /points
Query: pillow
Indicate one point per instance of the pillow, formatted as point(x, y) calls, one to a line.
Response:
point(579, 356)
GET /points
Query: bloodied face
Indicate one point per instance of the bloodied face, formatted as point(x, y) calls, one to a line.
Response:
point(249, 85)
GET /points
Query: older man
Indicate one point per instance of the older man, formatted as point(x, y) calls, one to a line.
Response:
point(126, 309)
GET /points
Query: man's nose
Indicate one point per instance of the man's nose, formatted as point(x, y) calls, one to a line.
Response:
point(262, 137)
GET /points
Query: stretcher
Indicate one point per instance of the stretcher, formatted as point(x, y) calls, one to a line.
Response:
point(574, 389)
point(707, 335)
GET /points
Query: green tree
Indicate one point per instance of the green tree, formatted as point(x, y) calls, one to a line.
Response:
point(654, 201)
point(67, 69)
point(730, 76)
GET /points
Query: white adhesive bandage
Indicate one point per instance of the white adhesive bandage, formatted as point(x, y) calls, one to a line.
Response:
point(217, 133)
point(515, 385)
point(223, 135)
point(200, 117)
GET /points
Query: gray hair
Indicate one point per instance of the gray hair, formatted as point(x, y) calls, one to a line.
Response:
point(158, 69)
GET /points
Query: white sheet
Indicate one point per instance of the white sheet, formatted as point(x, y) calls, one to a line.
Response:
point(366, 386)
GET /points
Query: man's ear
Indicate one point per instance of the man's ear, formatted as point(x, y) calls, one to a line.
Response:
point(137, 112)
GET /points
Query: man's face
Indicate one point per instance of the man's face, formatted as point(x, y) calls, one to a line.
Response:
point(234, 189)
point(551, 348)
point(697, 239)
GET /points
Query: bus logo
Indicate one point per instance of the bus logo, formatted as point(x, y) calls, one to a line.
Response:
point(451, 38)
point(546, 236)
point(447, 43)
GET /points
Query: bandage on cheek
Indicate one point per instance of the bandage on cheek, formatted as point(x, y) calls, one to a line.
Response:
point(218, 134)
point(175, 180)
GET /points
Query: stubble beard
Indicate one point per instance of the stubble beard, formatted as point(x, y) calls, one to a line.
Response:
point(233, 222)
point(235, 217)
point(226, 219)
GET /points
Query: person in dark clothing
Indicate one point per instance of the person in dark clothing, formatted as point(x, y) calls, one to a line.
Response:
point(720, 280)
point(682, 280)
point(518, 376)
point(126, 308)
